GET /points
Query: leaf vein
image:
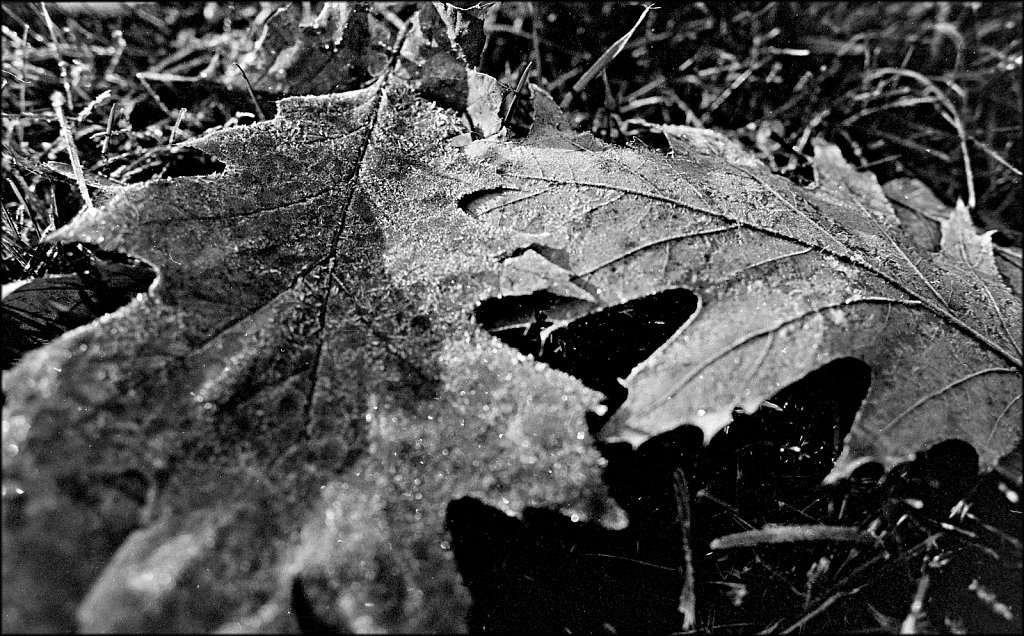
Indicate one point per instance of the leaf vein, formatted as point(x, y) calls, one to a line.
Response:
point(352, 178)
point(853, 258)
point(771, 330)
point(934, 394)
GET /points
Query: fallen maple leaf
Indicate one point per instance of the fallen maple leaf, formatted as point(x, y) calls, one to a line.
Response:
point(790, 280)
point(306, 385)
point(305, 379)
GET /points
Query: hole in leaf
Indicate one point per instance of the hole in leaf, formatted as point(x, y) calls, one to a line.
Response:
point(779, 454)
point(597, 348)
point(557, 256)
point(480, 202)
point(811, 416)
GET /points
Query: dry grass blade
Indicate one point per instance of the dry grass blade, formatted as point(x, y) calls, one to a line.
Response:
point(687, 595)
point(177, 125)
point(58, 107)
point(23, 64)
point(792, 534)
point(64, 73)
point(99, 100)
point(110, 127)
point(916, 612)
point(613, 51)
point(948, 112)
point(996, 156)
point(821, 608)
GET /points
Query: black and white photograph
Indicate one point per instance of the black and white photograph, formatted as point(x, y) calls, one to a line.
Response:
point(512, 317)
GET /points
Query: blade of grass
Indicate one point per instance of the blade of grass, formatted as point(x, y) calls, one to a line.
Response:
point(687, 597)
point(821, 608)
point(24, 83)
point(916, 612)
point(174, 130)
point(613, 51)
point(64, 75)
point(995, 155)
point(110, 128)
point(97, 101)
point(535, 36)
point(58, 107)
point(736, 83)
point(115, 59)
point(792, 534)
point(948, 112)
point(142, 77)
